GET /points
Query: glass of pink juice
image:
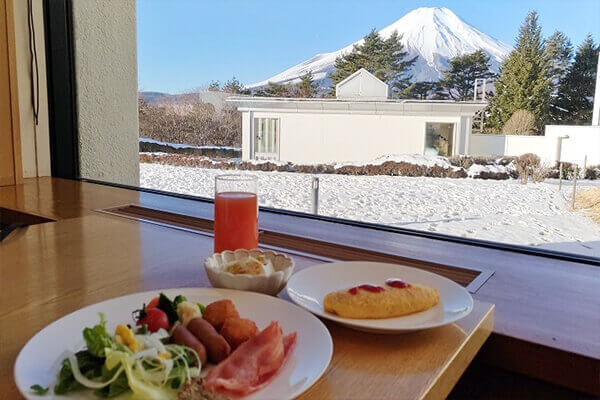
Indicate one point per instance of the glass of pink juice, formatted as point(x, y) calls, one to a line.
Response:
point(236, 212)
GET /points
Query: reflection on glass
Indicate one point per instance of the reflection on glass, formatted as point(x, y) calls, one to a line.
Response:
point(439, 139)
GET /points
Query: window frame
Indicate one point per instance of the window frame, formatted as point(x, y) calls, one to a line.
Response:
point(62, 92)
point(64, 139)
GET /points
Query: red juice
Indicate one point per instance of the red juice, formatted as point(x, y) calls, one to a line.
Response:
point(236, 221)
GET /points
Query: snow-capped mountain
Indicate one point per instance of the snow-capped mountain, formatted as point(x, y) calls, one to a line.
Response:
point(435, 35)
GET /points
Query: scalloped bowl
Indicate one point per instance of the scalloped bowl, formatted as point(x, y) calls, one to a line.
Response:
point(271, 284)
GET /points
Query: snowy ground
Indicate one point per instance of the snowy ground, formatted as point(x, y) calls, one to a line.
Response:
point(502, 211)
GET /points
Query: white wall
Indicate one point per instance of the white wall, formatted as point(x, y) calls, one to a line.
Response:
point(361, 85)
point(327, 137)
point(462, 133)
point(106, 78)
point(583, 140)
point(487, 145)
point(246, 134)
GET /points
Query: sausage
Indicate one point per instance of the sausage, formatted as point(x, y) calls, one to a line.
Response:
point(216, 346)
point(182, 336)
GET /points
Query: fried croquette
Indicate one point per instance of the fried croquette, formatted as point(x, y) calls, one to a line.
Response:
point(237, 330)
point(217, 312)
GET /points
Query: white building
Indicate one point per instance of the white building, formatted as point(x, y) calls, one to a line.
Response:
point(360, 124)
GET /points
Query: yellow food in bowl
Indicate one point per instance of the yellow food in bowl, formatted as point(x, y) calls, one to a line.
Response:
point(250, 265)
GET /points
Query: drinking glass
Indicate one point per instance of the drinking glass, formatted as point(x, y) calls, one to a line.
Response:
point(236, 212)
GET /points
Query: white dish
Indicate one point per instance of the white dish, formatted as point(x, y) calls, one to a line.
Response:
point(308, 287)
point(39, 361)
point(280, 268)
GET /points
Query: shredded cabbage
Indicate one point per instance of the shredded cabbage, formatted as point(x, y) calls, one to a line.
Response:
point(149, 376)
point(157, 371)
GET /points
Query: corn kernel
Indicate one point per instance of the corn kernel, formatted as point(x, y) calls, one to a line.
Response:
point(127, 337)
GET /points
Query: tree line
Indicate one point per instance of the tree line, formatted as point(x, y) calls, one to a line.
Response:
point(542, 81)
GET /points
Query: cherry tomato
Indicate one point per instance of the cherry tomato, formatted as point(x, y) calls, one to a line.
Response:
point(153, 303)
point(154, 319)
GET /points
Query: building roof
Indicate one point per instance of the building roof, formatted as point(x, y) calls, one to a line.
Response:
point(371, 106)
point(362, 84)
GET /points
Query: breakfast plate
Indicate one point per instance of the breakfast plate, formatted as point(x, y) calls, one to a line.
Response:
point(40, 359)
point(309, 287)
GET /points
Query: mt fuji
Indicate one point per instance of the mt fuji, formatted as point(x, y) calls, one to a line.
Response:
point(434, 35)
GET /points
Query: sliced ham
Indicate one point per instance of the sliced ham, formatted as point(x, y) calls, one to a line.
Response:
point(253, 364)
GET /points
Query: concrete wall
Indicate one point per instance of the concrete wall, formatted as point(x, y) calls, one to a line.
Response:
point(583, 140)
point(462, 135)
point(106, 79)
point(328, 137)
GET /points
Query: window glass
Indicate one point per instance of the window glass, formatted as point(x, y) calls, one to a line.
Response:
point(266, 138)
point(437, 120)
point(439, 139)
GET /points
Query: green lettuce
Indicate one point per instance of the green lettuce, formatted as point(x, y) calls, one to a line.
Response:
point(89, 365)
point(117, 387)
point(97, 338)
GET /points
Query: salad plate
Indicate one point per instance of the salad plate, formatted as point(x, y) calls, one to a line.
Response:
point(40, 359)
point(309, 287)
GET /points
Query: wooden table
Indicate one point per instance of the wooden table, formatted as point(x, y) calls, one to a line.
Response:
point(52, 269)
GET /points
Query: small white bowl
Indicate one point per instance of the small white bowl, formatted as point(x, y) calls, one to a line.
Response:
point(271, 284)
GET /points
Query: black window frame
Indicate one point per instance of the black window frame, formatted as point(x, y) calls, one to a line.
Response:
point(64, 140)
point(62, 94)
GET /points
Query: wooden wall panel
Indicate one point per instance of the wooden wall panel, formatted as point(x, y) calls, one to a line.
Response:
point(10, 145)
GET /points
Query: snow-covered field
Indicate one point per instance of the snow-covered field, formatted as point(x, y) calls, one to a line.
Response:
point(503, 211)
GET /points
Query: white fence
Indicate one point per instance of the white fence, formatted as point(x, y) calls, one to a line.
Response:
point(582, 141)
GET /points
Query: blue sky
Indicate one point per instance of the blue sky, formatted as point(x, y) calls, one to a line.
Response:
point(185, 44)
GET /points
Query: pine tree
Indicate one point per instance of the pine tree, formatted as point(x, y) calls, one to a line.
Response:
point(458, 81)
point(524, 81)
point(421, 90)
point(576, 90)
point(214, 86)
point(384, 58)
point(276, 90)
point(559, 51)
point(235, 87)
point(306, 87)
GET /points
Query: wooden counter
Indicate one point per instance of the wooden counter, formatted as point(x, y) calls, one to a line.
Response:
point(52, 269)
point(546, 324)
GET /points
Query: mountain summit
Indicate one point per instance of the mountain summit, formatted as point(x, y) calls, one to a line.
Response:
point(435, 35)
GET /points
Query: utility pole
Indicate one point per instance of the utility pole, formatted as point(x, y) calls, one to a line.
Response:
point(574, 186)
point(560, 175)
point(315, 195)
point(596, 112)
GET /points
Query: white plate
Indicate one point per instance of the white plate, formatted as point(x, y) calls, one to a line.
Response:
point(39, 361)
point(309, 287)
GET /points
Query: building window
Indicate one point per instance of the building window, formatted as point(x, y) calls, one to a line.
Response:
point(439, 139)
point(266, 138)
